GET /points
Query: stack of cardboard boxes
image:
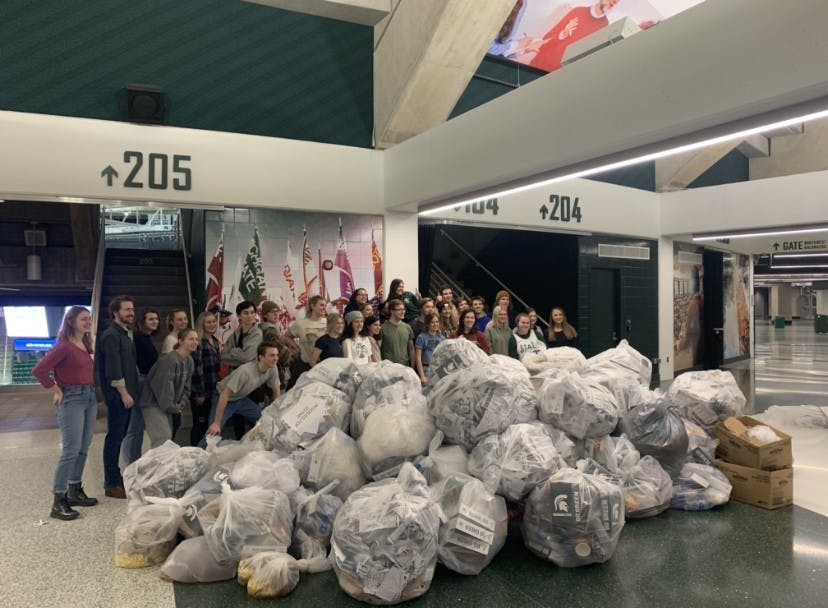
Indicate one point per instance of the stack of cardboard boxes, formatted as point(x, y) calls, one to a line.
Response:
point(761, 474)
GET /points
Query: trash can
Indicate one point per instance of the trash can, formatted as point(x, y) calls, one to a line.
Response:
point(821, 324)
point(779, 322)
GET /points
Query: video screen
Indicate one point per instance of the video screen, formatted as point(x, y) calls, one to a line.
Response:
point(26, 322)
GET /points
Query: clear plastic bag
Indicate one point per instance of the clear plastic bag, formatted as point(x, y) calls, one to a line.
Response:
point(192, 562)
point(334, 456)
point(701, 447)
point(562, 442)
point(474, 524)
point(303, 414)
point(658, 430)
point(573, 519)
point(337, 372)
point(392, 435)
point(265, 470)
point(623, 361)
point(582, 407)
point(442, 460)
point(453, 355)
point(314, 522)
point(272, 574)
point(805, 416)
point(627, 390)
point(146, 535)
point(384, 543)
point(243, 522)
point(388, 384)
point(227, 451)
point(167, 471)
point(474, 402)
point(515, 461)
point(648, 489)
point(563, 357)
point(707, 397)
point(700, 487)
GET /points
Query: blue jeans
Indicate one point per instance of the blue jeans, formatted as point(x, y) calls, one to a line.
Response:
point(117, 417)
point(133, 442)
point(76, 416)
point(245, 406)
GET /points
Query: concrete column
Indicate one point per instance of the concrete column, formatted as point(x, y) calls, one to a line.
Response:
point(665, 308)
point(425, 54)
point(781, 300)
point(401, 253)
point(822, 302)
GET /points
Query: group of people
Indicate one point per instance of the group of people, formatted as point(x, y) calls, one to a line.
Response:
point(227, 370)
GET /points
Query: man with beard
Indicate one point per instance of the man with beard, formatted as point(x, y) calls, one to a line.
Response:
point(118, 375)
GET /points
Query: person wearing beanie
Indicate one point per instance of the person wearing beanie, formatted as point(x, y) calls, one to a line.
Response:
point(504, 299)
point(270, 317)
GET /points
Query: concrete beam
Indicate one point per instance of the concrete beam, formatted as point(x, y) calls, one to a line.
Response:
point(427, 54)
point(365, 12)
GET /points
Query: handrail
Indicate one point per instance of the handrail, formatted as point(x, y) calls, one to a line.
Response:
point(488, 272)
point(446, 280)
point(186, 269)
point(97, 281)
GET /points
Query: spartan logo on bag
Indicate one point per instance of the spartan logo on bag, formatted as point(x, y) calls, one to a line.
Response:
point(567, 501)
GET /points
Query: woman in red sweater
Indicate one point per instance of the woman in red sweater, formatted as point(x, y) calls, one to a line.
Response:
point(469, 331)
point(71, 379)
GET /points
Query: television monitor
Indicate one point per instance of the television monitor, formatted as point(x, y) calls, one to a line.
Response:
point(26, 322)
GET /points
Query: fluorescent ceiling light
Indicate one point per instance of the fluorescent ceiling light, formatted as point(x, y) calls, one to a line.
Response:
point(803, 266)
point(799, 255)
point(755, 233)
point(712, 141)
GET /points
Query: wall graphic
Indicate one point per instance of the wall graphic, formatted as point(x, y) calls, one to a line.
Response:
point(288, 257)
point(537, 32)
point(688, 307)
point(736, 294)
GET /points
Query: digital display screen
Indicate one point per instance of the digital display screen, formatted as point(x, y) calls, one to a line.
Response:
point(26, 322)
point(34, 344)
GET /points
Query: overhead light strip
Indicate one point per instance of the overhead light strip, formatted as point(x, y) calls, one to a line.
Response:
point(802, 266)
point(757, 233)
point(778, 256)
point(712, 141)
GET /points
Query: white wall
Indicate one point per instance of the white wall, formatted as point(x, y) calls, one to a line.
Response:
point(52, 156)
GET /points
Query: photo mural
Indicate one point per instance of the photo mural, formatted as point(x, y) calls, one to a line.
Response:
point(737, 311)
point(688, 307)
point(289, 256)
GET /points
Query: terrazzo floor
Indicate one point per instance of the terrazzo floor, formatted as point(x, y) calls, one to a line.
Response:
point(736, 555)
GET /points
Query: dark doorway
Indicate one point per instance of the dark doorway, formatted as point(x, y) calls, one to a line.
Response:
point(713, 309)
point(605, 322)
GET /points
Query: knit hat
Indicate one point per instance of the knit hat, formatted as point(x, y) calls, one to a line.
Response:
point(268, 306)
point(352, 316)
point(502, 294)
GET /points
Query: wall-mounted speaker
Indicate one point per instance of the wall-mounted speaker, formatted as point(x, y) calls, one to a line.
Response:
point(145, 104)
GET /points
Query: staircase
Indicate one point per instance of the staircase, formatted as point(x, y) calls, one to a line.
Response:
point(156, 279)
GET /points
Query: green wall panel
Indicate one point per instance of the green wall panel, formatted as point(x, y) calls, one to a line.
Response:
point(224, 65)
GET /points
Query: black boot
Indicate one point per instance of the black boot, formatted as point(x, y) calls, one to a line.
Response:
point(78, 498)
point(61, 508)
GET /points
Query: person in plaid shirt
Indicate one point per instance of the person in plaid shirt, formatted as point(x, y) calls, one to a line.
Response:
point(207, 360)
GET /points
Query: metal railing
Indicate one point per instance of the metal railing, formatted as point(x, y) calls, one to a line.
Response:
point(443, 279)
point(482, 267)
point(186, 270)
point(97, 281)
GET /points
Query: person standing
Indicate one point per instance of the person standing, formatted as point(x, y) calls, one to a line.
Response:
point(478, 305)
point(561, 333)
point(206, 371)
point(304, 332)
point(146, 354)
point(448, 322)
point(357, 300)
point(329, 345)
point(232, 392)
point(425, 344)
point(524, 340)
point(372, 328)
point(468, 330)
point(397, 337)
point(270, 321)
point(498, 332)
point(533, 324)
point(166, 388)
point(503, 299)
point(70, 361)
point(358, 348)
point(119, 384)
point(410, 300)
point(176, 321)
point(419, 324)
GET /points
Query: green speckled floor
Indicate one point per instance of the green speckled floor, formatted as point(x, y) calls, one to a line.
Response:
point(736, 555)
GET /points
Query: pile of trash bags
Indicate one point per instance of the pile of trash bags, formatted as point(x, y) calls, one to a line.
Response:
point(360, 470)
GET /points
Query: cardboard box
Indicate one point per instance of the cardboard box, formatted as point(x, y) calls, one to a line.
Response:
point(766, 489)
point(741, 450)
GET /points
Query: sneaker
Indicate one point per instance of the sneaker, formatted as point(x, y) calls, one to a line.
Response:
point(115, 492)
